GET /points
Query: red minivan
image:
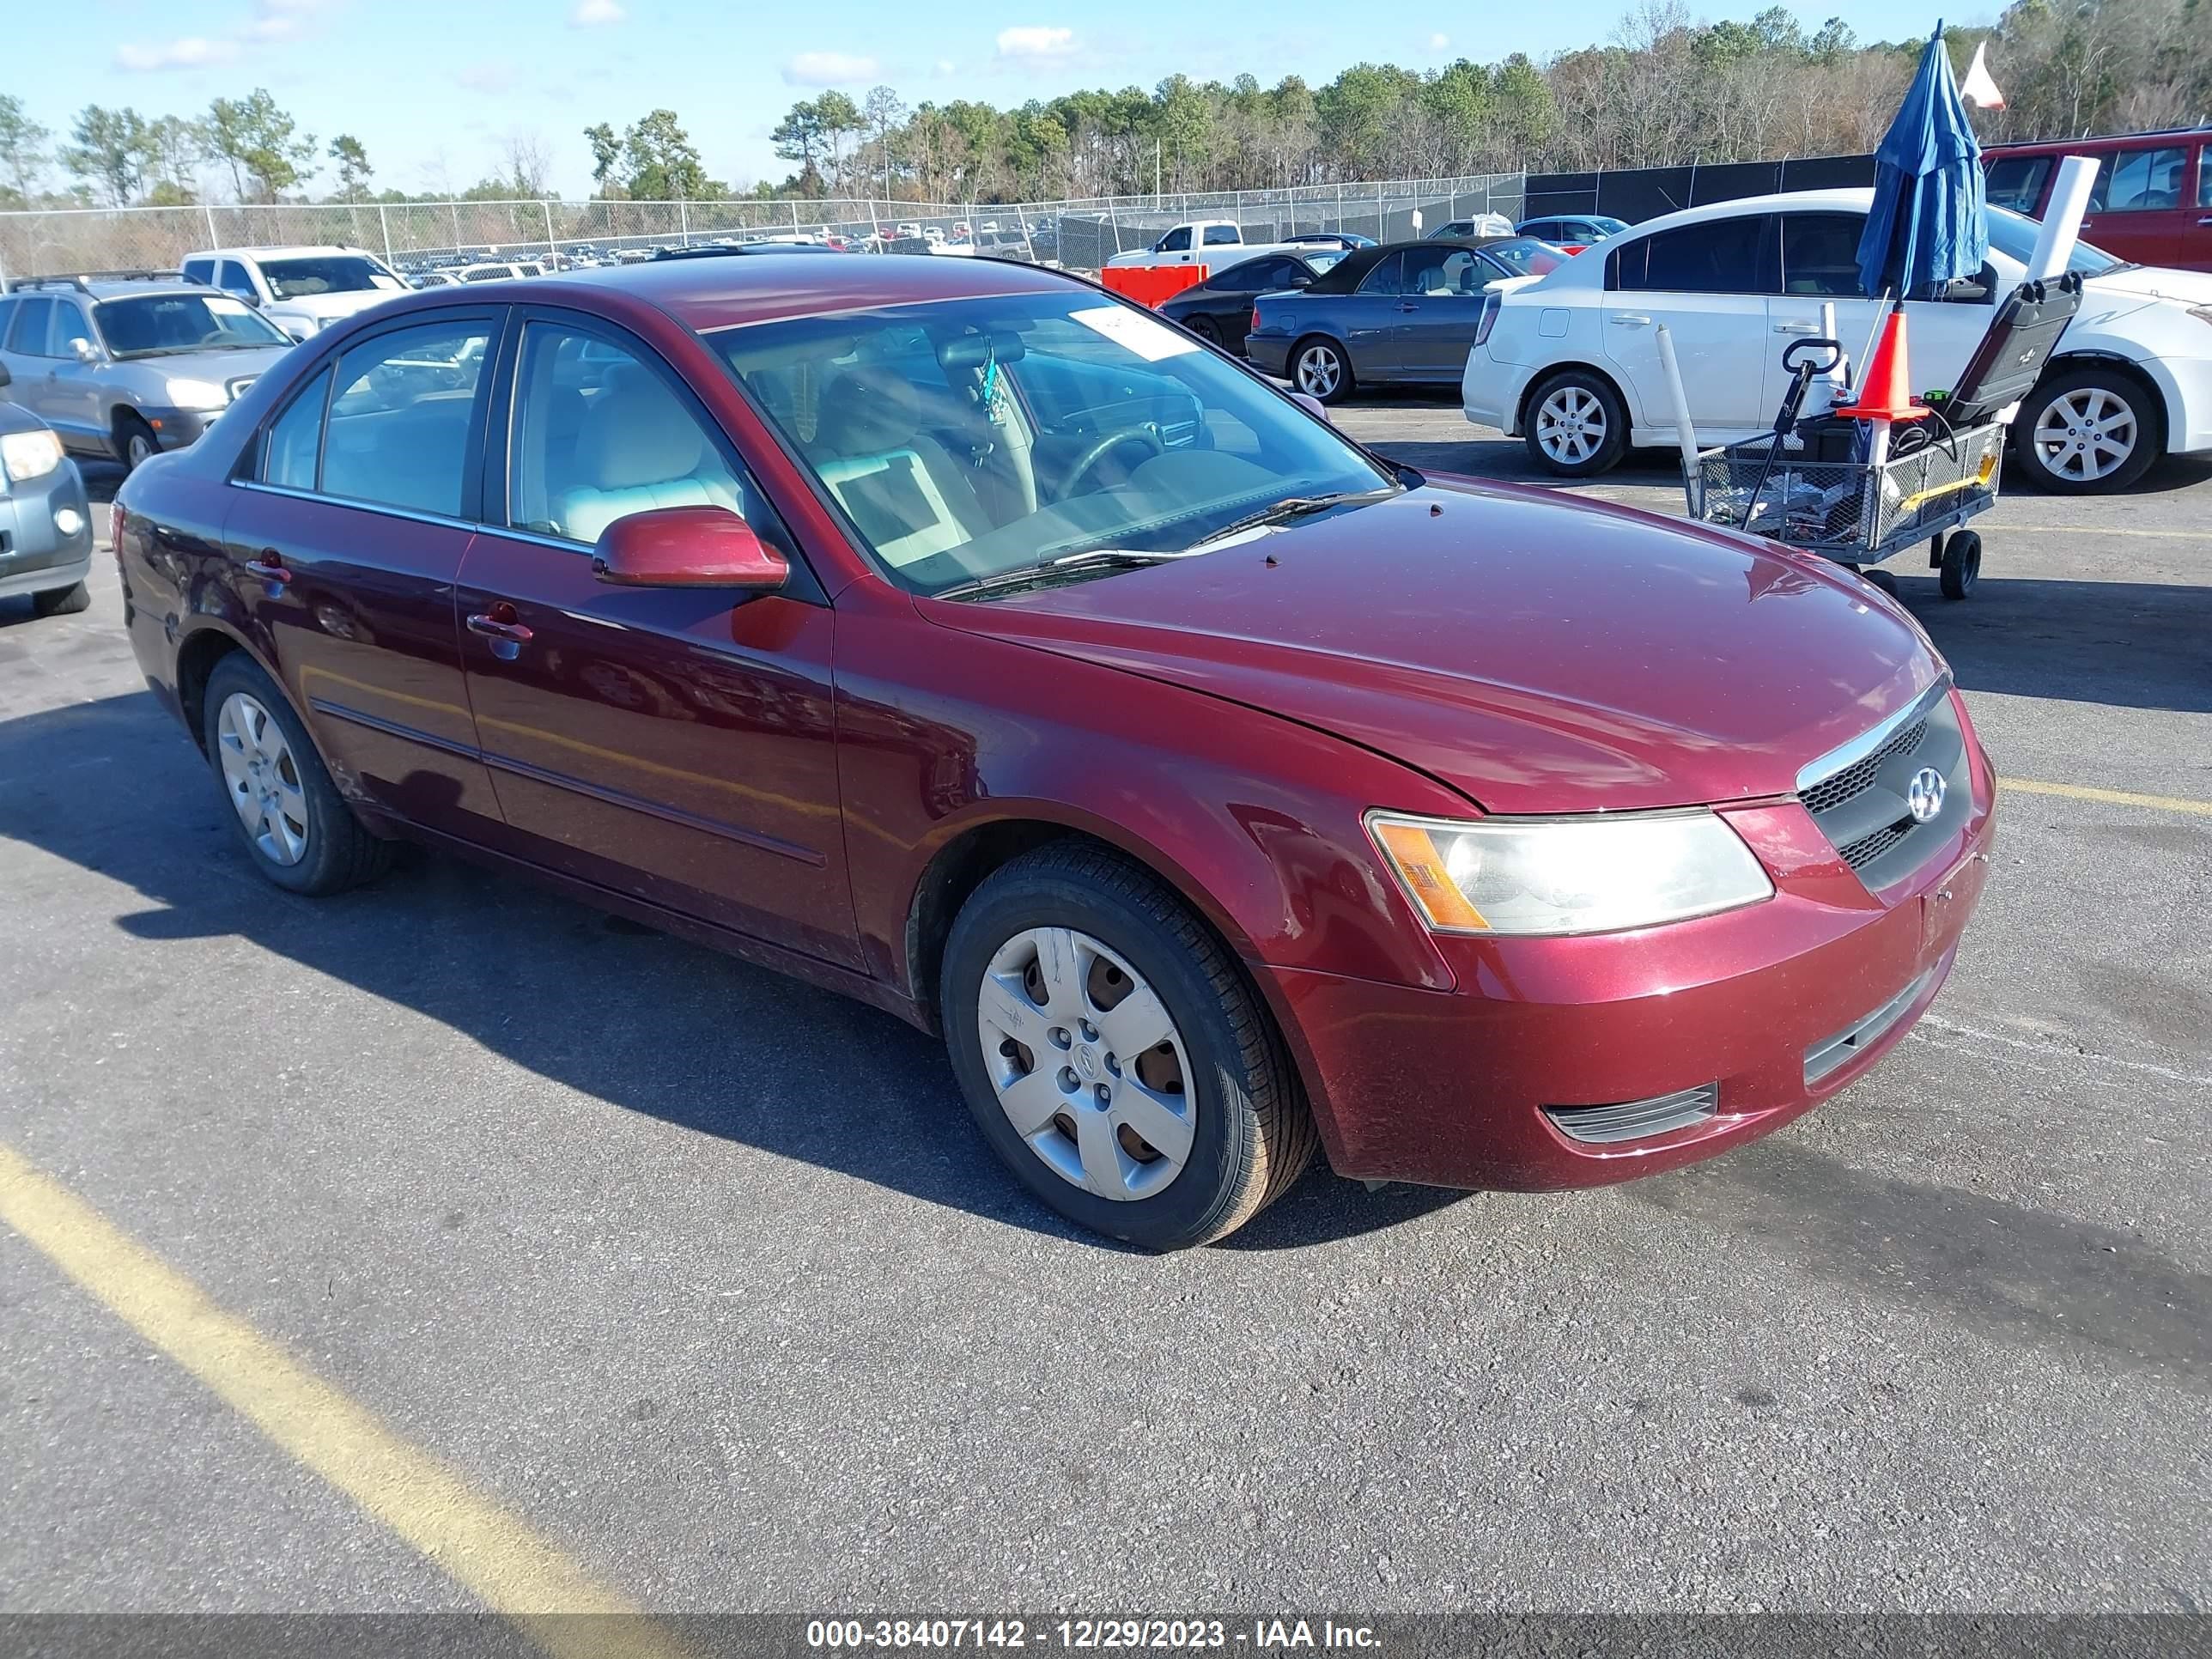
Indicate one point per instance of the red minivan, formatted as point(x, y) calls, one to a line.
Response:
point(2153, 203)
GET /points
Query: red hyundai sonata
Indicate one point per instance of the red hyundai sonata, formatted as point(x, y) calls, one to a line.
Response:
point(958, 637)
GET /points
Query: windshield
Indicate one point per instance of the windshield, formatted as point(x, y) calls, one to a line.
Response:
point(1528, 256)
point(328, 273)
point(2014, 234)
point(185, 322)
point(971, 439)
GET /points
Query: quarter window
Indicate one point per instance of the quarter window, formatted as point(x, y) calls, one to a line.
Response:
point(1223, 236)
point(599, 436)
point(399, 429)
point(2139, 181)
point(1386, 278)
point(296, 442)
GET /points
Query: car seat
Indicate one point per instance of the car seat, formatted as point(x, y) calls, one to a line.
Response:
point(904, 489)
point(639, 449)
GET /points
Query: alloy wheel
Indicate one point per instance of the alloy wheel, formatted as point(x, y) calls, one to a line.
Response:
point(1319, 369)
point(2086, 434)
point(1087, 1063)
point(262, 778)
point(137, 450)
point(1570, 425)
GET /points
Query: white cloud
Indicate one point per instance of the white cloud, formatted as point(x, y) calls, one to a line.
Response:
point(1439, 42)
point(595, 14)
point(191, 51)
point(1037, 44)
point(827, 68)
point(944, 66)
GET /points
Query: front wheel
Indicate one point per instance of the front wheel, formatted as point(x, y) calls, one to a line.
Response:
point(1576, 425)
point(61, 601)
point(1320, 368)
point(1113, 1054)
point(136, 444)
point(2089, 432)
point(1961, 564)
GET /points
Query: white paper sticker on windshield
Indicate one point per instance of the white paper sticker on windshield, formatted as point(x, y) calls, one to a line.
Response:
point(1150, 340)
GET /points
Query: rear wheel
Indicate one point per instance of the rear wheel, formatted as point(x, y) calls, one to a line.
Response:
point(1576, 426)
point(1113, 1054)
point(2089, 431)
point(61, 601)
point(297, 829)
point(1320, 368)
point(1203, 327)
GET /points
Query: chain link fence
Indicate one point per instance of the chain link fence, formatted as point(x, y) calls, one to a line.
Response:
point(1079, 234)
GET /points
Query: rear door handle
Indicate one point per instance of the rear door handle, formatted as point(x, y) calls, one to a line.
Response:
point(2207, 219)
point(269, 568)
point(1796, 328)
point(1630, 319)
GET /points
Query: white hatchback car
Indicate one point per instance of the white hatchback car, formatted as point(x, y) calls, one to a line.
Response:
point(1570, 361)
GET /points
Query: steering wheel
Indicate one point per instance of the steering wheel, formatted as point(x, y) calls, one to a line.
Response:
point(1105, 445)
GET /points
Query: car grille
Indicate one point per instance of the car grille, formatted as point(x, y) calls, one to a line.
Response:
point(1860, 801)
point(1637, 1120)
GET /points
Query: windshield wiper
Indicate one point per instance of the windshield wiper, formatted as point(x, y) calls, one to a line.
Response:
point(1294, 507)
point(1070, 564)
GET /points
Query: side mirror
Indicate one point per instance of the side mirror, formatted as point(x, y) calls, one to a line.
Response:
point(1312, 405)
point(687, 547)
point(84, 351)
point(1301, 281)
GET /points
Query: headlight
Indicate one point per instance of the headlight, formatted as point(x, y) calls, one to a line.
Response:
point(1582, 875)
point(27, 455)
point(197, 394)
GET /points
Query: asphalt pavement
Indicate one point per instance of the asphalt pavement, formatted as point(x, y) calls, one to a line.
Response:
point(702, 1280)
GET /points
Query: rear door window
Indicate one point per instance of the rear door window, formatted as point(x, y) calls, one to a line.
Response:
point(200, 270)
point(1720, 256)
point(28, 335)
point(2139, 181)
point(401, 416)
point(2016, 181)
point(232, 276)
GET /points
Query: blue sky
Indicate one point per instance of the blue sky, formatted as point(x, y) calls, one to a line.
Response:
point(436, 89)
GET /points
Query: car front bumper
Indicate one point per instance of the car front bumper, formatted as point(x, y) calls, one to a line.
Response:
point(1775, 1006)
point(37, 555)
point(180, 429)
point(2186, 384)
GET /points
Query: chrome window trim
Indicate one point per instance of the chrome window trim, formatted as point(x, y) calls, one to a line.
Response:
point(1843, 754)
point(384, 508)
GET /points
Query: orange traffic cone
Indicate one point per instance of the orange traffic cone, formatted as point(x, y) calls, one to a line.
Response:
point(1885, 393)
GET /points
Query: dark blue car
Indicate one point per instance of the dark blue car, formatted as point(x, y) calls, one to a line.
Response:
point(1403, 313)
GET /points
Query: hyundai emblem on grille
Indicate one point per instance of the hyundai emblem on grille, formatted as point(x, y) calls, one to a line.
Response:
point(1924, 796)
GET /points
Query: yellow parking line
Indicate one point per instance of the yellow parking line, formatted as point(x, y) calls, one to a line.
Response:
point(2111, 797)
point(2110, 530)
point(516, 1570)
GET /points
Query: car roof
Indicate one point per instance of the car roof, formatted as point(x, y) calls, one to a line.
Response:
point(1347, 273)
point(1855, 199)
point(711, 294)
point(296, 251)
point(2094, 146)
point(115, 288)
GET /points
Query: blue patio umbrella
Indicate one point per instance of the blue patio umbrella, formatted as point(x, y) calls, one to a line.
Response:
point(1928, 224)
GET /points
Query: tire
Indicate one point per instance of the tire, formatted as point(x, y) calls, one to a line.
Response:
point(320, 846)
point(61, 601)
point(1203, 327)
point(1322, 368)
point(2056, 445)
point(1575, 425)
point(1881, 578)
point(1245, 1130)
point(1962, 563)
point(135, 442)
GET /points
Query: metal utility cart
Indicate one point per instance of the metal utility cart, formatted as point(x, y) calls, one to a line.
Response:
point(1859, 512)
point(1812, 485)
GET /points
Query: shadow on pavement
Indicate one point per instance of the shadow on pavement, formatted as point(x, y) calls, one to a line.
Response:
point(594, 1002)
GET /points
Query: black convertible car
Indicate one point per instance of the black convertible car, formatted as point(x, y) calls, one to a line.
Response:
point(1218, 308)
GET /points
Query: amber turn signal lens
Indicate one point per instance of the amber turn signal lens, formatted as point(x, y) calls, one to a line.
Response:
point(1419, 860)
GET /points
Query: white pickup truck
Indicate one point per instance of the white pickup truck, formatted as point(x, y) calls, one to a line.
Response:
point(1201, 242)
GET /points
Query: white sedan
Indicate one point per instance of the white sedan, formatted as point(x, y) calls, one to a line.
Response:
point(1569, 362)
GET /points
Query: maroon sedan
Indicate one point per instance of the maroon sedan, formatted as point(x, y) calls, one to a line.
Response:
point(955, 636)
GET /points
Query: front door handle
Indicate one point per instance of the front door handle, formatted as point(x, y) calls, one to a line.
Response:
point(1630, 319)
point(500, 622)
point(269, 568)
point(1408, 305)
point(2207, 219)
point(1796, 328)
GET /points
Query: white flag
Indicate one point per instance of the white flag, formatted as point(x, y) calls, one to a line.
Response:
point(1977, 88)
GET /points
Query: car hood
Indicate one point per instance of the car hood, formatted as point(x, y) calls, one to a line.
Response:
point(2190, 288)
point(1538, 653)
point(220, 367)
point(328, 307)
